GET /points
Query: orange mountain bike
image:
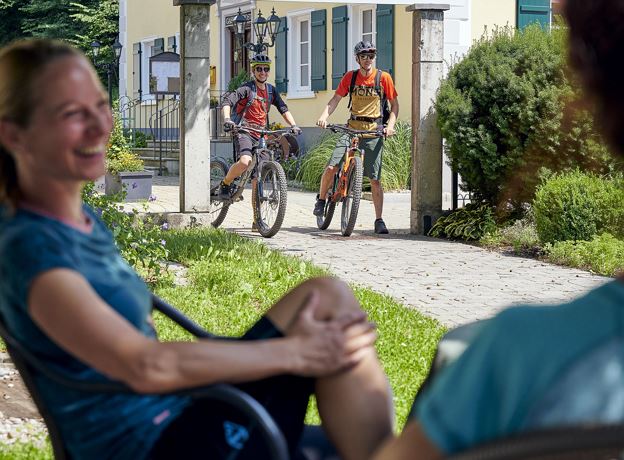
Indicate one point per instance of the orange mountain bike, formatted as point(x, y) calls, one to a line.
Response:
point(347, 186)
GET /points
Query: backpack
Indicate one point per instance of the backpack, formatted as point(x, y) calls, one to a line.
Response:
point(237, 116)
point(385, 107)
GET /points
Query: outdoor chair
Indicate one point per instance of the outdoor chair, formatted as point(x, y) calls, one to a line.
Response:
point(26, 363)
point(601, 442)
point(583, 442)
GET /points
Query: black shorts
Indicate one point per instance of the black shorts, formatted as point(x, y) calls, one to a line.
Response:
point(244, 145)
point(214, 430)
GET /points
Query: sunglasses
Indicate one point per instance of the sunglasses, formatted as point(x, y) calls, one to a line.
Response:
point(262, 69)
point(370, 56)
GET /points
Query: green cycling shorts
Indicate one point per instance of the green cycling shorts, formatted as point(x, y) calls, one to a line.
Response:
point(372, 149)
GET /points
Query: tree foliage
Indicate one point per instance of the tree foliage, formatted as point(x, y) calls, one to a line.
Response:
point(77, 21)
point(507, 110)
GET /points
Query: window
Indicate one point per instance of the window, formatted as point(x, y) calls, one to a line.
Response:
point(303, 58)
point(299, 54)
point(363, 28)
point(368, 31)
point(147, 48)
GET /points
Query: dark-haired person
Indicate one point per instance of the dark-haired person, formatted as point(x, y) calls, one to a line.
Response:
point(367, 115)
point(531, 367)
point(70, 299)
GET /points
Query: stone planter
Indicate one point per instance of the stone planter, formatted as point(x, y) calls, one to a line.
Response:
point(137, 184)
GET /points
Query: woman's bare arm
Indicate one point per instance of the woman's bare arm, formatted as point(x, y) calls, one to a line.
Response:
point(412, 444)
point(70, 312)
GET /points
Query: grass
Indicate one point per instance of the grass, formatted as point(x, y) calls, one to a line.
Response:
point(233, 281)
point(26, 451)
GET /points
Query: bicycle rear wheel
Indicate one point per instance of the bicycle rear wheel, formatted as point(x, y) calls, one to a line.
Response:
point(323, 221)
point(351, 203)
point(270, 200)
point(218, 209)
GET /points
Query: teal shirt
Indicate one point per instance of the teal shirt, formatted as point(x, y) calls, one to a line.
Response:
point(531, 368)
point(93, 426)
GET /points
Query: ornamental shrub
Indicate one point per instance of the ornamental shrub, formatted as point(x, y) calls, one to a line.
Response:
point(119, 156)
point(470, 223)
point(578, 206)
point(603, 255)
point(506, 110)
point(397, 160)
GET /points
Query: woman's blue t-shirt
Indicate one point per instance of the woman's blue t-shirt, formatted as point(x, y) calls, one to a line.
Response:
point(93, 426)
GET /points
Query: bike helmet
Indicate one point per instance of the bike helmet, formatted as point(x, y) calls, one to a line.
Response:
point(364, 47)
point(260, 59)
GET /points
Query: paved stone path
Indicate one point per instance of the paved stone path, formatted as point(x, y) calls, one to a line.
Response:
point(453, 282)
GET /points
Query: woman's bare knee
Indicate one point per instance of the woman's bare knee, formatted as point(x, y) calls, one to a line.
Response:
point(335, 297)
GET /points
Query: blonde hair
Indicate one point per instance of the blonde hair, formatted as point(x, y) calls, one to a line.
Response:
point(20, 64)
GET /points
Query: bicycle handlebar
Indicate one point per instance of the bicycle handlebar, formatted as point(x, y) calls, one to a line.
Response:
point(356, 132)
point(261, 131)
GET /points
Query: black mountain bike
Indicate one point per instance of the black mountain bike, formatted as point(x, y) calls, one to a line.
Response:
point(347, 186)
point(268, 197)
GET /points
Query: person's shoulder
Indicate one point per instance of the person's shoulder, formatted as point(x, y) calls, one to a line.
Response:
point(21, 234)
point(386, 78)
point(247, 86)
point(347, 76)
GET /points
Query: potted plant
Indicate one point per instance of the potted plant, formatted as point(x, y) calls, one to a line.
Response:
point(124, 169)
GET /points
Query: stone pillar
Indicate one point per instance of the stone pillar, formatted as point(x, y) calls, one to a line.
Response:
point(427, 72)
point(194, 104)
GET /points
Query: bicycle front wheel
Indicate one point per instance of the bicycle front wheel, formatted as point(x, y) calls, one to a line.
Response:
point(323, 221)
point(218, 209)
point(270, 199)
point(351, 203)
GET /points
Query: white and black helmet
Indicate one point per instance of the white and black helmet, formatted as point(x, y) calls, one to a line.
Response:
point(364, 47)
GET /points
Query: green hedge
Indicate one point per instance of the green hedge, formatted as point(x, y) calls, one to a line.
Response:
point(505, 111)
point(577, 206)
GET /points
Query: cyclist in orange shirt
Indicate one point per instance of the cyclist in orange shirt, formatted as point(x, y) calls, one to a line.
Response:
point(368, 90)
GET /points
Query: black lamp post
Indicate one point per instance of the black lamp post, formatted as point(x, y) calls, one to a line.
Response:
point(262, 27)
point(109, 66)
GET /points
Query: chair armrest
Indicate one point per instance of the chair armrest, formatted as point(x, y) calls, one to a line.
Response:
point(572, 443)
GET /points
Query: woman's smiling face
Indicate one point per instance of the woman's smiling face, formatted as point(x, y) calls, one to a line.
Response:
point(70, 125)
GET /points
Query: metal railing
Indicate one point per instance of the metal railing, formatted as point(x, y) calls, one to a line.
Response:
point(152, 127)
point(164, 126)
point(457, 196)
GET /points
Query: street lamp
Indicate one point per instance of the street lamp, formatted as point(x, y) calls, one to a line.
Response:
point(262, 26)
point(109, 66)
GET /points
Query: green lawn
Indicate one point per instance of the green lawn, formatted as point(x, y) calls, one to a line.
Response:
point(233, 281)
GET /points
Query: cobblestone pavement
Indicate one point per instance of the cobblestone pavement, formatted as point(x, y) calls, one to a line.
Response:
point(453, 282)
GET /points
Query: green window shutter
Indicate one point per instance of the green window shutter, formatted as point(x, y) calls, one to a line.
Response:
point(340, 53)
point(281, 69)
point(319, 50)
point(530, 11)
point(172, 45)
point(137, 90)
point(159, 46)
point(385, 38)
